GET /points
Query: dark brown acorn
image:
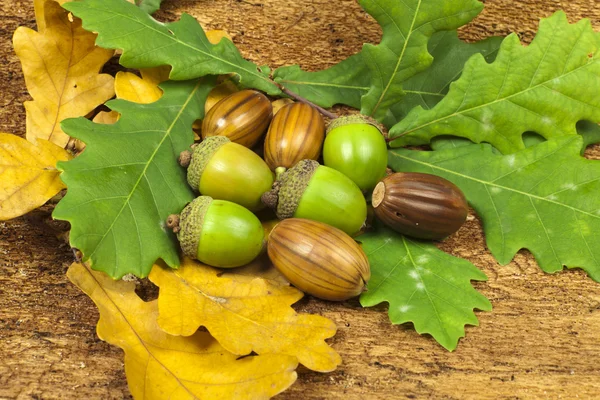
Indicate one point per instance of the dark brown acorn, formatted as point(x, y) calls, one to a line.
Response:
point(243, 117)
point(420, 205)
point(296, 133)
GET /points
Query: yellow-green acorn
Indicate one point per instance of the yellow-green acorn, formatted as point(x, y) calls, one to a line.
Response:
point(312, 191)
point(218, 233)
point(356, 147)
point(225, 170)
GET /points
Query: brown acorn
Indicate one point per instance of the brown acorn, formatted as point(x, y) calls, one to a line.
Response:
point(296, 133)
point(243, 117)
point(420, 205)
point(319, 259)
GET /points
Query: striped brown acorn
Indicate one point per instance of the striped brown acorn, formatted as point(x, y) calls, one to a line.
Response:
point(242, 116)
point(296, 133)
point(319, 259)
point(420, 205)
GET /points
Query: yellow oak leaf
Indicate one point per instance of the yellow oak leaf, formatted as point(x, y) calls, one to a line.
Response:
point(130, 87)
point(61, 65)
point(156, 75)
point(38, 6)
point(106, 117)
point(160, 366)
point(280, 103)
point(243, 313)
point(261, 267)
point(28, 174)
point(214, 36)
point(218, 93)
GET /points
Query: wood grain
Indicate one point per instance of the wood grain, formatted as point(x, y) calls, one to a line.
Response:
point(542, 340)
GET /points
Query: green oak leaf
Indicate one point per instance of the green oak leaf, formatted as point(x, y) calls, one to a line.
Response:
point(149, 43)
point(125, 184)
point(149, 6)
point(348, 81)
point(546, 87)
point(407, 26)
point(590, 132)
point(429, 87)
point(422, 285)
point(344, 83)
point(543, 198)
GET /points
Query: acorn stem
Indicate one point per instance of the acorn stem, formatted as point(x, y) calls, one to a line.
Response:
point(173, 223)
point(279, 171)
point(185, 157)
point(301, 99)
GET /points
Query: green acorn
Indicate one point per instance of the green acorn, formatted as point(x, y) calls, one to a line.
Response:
point(228, 171)
point(218, 232)
point(356, 147)
point(313, 191)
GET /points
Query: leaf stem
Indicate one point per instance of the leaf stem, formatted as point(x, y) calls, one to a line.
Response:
point(301, 99)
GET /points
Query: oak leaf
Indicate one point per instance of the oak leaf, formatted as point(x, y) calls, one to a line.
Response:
point(160, 366)
point(243, 313)
point(422, 285)
point(61, 66)
point(546, 87)
point(130, 87)
point(28, 176)
point(543, 198)
point(127, 182)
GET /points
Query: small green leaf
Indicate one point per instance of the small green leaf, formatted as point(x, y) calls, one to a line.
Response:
point(125, 184)
point(546, 88)
point(407, 26)
point(149, 6)
point(344, 83)
point(147, 43)
point(422, 285)
point(543, 198)
point(429, 87)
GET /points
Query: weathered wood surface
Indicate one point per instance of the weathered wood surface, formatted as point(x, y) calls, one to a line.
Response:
point(542, 339)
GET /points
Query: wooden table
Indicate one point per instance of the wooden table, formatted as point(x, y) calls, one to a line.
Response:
point(542, 340)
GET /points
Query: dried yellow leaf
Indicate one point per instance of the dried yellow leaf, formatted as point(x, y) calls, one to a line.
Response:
point(61, 65)
point(218, 93)
point(130, 87)
point(215, 35)
point(160, 366)
point(28, 174)
point(106, 117)
point(156, 75)
point(38, 6)
point(279, 103)
point(243, 313)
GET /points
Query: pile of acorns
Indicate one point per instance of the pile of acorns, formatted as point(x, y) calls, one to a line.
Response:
point(320, 206)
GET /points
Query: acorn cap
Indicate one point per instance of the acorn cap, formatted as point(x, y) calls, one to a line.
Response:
point(356, 119)
point(191, 221)
point(201, 156)
point(287, 191)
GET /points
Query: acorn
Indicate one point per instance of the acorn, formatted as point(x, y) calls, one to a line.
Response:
point(243, 117)
point(319, 259)
point(312, 191)
point(356, 147)
point(229, 171)
point(296, 133)
point(420, 205)
point(218, 232)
